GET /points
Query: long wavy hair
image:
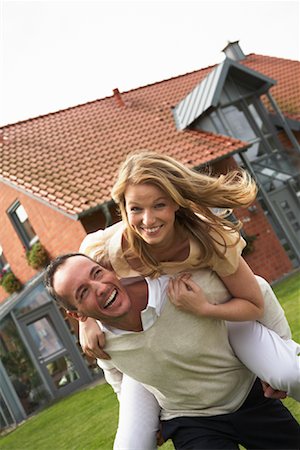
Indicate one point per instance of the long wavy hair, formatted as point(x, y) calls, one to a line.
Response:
point(195, 193)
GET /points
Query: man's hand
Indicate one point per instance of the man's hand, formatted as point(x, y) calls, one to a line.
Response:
point(159, 439)
point(269, 392)
point(92, 339)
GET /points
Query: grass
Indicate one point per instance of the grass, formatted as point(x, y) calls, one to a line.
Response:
point(288, 292)
point(84, 420)
point(87, 420)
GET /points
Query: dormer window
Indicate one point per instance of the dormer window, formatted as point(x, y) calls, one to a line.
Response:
point(22, 225)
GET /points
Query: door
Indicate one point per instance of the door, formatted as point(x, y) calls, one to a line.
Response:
point(56, 352)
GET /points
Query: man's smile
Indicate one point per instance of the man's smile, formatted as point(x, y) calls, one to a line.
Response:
point(111, 299)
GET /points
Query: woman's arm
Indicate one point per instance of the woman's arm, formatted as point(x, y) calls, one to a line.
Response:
point(92, 339)
point(247, 302)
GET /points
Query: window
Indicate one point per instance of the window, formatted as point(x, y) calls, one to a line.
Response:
point(3, 263)
point(239, 123)
point(22, 225)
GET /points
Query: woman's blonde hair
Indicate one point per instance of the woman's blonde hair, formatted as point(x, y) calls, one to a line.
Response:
point(193, 191)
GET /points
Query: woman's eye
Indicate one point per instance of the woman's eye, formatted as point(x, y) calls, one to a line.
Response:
point(160, 205)
point(135, 209)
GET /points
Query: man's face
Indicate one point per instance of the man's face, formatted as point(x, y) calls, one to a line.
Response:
point(92, 290)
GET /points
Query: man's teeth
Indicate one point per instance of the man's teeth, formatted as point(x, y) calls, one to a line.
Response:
point(110, 299)
point(151, 230)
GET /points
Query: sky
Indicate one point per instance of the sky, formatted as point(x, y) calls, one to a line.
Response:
point(58, 54)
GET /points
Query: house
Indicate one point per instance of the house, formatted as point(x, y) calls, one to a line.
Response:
point(57, 171)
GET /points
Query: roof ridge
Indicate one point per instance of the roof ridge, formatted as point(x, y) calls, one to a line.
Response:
point(172, 78)
point(79, 105)
point(106, 98)
point(274, 57)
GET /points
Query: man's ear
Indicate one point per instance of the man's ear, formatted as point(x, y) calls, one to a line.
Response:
point(76, 315)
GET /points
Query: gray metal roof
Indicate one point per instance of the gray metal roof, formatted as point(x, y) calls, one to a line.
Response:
point(207, 93)
point(9, 303)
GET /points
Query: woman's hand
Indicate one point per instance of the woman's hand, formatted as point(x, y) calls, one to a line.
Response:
point(186, 295)
point(92, 339)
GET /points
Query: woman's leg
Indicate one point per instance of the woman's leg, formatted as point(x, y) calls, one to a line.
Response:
point(138, 417)
point(270, 357)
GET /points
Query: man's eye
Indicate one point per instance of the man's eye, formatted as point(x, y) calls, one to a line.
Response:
point(83, 293)
point(97, 273)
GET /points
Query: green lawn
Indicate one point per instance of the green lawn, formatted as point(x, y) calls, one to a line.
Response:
point(87, 420)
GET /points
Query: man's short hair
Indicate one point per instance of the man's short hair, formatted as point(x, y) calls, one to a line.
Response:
point(51, 270)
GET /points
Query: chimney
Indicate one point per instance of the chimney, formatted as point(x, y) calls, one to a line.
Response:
point(234, 51)
point(118, 97)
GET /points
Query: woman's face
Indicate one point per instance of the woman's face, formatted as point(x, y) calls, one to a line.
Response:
point(151, 213)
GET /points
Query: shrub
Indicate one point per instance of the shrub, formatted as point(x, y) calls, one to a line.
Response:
point(10, 282)
point(37, 257)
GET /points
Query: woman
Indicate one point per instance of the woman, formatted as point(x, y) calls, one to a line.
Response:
point(168, 227)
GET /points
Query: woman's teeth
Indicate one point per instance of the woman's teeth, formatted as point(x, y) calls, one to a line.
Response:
point(110, 299)
point(151, 230)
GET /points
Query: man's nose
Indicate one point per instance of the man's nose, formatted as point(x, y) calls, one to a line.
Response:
point(97, 287)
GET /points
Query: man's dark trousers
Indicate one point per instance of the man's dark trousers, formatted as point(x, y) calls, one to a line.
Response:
point(260, 423)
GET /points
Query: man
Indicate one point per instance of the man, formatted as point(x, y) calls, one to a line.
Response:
point(209, 399)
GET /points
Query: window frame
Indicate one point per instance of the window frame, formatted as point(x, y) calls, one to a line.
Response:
point(19, 228)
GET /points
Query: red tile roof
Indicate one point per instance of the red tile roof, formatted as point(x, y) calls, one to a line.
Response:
point(69, 158)
point(287, 74)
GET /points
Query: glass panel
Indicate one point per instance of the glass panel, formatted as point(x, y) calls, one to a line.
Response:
point(62, 371)
point(21, 214)
point(6, 418)
point(272, 143)
point(24, 222)
point(29, 230)
point(238, 123)
point(295, 184)
point(264, 127)
point(284, 205)
point(296, 226)
point(37, 297)
point(45, 337)
point(256, 116)
point(290, 215)
point(254, 151)
point(20, 369)
point(52, 352)
point(219, 128)
point(3, 262)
